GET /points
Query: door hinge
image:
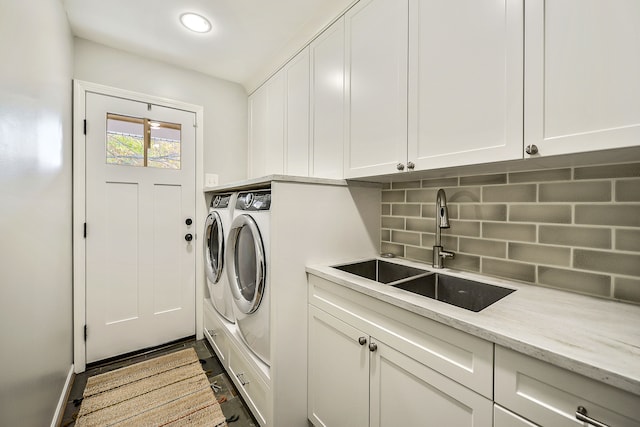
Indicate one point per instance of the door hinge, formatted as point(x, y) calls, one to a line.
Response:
point(85, 332)
point(84, 232)
point(84, 127)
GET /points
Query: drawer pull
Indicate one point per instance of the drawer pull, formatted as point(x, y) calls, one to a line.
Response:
point(581, 415)
point(242, 379)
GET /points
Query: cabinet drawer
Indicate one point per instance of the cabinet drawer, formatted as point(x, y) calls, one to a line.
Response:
point(464, 358)
point(249, 383)
point(215, 332)
point(549, 395)
point(505, 418)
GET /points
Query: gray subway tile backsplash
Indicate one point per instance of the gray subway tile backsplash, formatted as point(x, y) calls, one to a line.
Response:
point(540, 176)
point(627, 289)
point(402, 209)
point(614, 214)
point(571, 235)
point(560, 214)
point(491, 212)
point(576, 229)
point(540, 254)
point(440, 182)
point(405, 237)
point(509, 269)
point(484, 179)
point(628, 190)
point(588, 191)
point(577, 281)
point(509, 231)
point(396, 223)
point(393, 196)
point(628, 239)
point(623, 170)
point(610, 262)
point(510, 193)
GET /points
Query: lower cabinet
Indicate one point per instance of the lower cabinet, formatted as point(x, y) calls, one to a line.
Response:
point(250, 383)
point(356, 379)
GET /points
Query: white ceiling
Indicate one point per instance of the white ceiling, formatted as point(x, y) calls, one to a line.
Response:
point(250, 38)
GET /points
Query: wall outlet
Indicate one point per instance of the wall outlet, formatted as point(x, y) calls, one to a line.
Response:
point(210, 179)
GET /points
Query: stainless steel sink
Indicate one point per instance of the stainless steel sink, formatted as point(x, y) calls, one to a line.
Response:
point(380, 271)
point(463, 293)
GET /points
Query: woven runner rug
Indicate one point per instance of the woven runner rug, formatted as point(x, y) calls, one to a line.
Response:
point(170, 390)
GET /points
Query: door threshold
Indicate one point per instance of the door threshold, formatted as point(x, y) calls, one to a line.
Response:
point(138, 353)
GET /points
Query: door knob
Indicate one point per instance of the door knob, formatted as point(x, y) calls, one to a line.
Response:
point(188, 221)
point(188, 237)
point(362, 340)
point(410, 166)
point(373, 346)
point(400, 166)
point(531, 149)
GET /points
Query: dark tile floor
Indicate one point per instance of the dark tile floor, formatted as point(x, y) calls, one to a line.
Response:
point(224, 388)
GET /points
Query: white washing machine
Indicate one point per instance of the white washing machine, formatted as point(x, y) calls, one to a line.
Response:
point(247, 260)
point(216, 234)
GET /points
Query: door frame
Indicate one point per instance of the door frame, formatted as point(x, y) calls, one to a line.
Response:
point(80, 89)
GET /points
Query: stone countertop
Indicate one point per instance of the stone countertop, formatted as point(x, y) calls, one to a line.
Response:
point(265, 181)
point(597, 338)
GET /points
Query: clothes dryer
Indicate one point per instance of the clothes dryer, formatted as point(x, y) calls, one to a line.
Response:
point(247, 260)
point(216, 232)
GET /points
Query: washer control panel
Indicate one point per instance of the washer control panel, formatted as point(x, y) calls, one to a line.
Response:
point(221, 201)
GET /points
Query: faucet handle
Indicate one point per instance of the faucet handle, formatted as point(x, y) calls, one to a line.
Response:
point(447, 254)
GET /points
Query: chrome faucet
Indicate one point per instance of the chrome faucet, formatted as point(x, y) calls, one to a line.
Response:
point(442, 221)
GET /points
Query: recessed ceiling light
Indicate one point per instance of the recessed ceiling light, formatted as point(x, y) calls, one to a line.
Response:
point(195, 22)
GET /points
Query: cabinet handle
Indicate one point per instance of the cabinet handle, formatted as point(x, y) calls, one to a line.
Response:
point(373, 346)
point(581, 415)
point(531, 149)
point(400, 166)
point(212, 333)
point(410, 166)
point(242, 379)
point(362, 340)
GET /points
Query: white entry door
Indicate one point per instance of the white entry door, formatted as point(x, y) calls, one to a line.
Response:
point(140, 233)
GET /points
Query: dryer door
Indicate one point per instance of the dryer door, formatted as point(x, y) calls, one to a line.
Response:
point(213, 247)
point(246, 266)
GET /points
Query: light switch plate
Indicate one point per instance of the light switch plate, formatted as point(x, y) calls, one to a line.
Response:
point(210, 179)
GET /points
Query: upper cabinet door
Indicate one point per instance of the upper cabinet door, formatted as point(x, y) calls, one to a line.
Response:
point(327, 102)
point(266, 128)
point(465, 82)
point(376, 86)
point(582, 68)
point(257, 132)
point(296, 135)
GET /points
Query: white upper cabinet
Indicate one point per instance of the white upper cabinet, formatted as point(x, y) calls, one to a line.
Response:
point(465, 82)
point(582, 68)
point(327, 102)
point(376, 87)
point(296, 129)
point(266, 128)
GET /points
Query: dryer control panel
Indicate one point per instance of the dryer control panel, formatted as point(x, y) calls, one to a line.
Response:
point(254, 201)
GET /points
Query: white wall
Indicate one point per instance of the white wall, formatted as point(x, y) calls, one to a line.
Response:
point(224, 102)
point(35, 209)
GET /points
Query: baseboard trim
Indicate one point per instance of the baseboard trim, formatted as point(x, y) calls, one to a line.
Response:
point(64, 396)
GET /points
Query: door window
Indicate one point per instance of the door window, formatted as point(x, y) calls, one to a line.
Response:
point(142, 142)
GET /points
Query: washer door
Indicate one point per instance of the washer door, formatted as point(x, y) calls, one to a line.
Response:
point(246, 265)
point(213, 247)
